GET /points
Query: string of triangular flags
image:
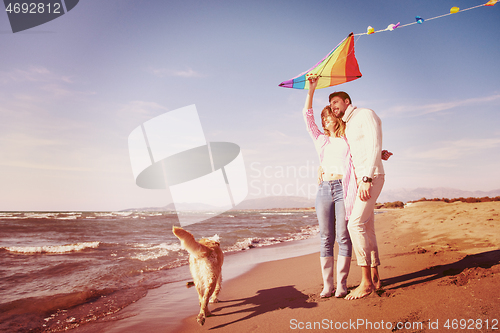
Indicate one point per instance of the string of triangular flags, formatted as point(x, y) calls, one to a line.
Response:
point(340, 65)
point(420, 20)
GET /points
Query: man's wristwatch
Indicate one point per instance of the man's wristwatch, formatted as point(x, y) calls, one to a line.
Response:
point(366, 179)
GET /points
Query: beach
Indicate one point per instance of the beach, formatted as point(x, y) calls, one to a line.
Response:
point(439, 268)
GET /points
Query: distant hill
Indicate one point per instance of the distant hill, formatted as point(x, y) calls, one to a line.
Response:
point(276, 202)
point(259, 203)
point(406, 195)
point(171, 207)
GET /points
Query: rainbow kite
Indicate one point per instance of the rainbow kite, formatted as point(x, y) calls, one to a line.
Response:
point(339, 66)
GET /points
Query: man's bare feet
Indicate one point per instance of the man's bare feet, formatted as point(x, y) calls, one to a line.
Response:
point(376, 278)
point(360, 292)
point(366, 287)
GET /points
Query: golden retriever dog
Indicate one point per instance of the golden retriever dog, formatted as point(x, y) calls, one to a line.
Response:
point(205, 264)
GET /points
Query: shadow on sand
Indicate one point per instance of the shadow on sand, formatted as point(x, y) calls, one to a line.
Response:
point(483, 260)
point(266, 300)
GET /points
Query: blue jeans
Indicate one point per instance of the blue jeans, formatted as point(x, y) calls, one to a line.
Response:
point(330, 211)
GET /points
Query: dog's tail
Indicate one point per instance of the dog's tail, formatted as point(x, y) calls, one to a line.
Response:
point(189, 243)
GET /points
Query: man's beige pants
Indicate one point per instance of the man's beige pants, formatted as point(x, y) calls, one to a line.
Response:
point(362, 226)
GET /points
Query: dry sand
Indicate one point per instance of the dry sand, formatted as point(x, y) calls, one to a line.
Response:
point(440, 273)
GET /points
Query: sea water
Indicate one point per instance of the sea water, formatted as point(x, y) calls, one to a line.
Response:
point(59, 270)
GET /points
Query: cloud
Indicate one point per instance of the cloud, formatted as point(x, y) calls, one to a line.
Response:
point(37, 85)
point(454, 150)
point(187, 73)
point(33, 74)
point(33, 150)
point(60, 91)
point(143, 107)
point(419, 110)
point(128, 116)
point(37, 100)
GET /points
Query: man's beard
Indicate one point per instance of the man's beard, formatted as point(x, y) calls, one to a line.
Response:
point(340, 114)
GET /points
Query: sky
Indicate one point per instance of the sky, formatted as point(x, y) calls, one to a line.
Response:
point(73, 89)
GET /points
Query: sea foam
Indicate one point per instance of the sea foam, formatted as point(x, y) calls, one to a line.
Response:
point(54, 249)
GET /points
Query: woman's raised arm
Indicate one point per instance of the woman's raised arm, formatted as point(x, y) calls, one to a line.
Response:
point(313, 82)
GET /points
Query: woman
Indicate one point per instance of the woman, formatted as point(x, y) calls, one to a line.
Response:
point(336, 193)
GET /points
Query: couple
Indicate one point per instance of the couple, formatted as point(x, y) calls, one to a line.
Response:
point(350, 180)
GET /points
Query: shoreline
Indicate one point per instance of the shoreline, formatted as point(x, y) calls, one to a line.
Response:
point(439, 261)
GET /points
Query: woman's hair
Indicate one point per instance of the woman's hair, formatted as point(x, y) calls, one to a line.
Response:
point(339, 127)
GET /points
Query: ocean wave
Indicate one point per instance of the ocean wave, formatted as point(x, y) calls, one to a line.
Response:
point(151, 252)
point(27, 215)
point(104, 214)
point(252, 242)
point(168, 246)
point(123, 213)
point(169, 265)
point(52, 249)
point(215, 238)
point(68, 217)
point(41, 215)
point(9, 215)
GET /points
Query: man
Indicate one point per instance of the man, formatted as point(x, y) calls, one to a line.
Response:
point(364, 135)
